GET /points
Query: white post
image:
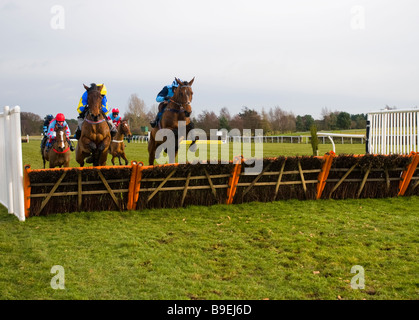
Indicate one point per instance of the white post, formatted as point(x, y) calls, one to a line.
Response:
point(12, 185)
point(8, 155)
point(17, 165)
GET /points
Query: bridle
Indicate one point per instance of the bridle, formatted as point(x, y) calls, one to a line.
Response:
point(93, 116)
point(63, 141)
point(182, 106)
point(122, 125)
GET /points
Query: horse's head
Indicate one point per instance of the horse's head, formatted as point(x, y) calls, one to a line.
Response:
point(124, 129)
point(60, 138)
point(183, 93)
point(94, 100)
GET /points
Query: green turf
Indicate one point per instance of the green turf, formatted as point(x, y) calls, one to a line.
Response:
point(280, 250)
point(138, 151)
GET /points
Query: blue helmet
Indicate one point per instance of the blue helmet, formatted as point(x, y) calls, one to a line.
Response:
point(175, 84)
point(49, 117)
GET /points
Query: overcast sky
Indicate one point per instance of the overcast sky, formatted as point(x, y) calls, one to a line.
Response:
point(301, 55)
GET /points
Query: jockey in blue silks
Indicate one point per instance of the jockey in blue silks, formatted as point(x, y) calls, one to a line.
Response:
point(47, 120)
point(81, 109)
point(163, 97)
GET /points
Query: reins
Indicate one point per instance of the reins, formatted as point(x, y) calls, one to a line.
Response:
point(181, 105)
point(60, 152)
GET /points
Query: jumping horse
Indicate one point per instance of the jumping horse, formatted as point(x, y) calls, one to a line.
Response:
point(178, 109)
point(59, 154)
point(117, 148)
point(95, 135)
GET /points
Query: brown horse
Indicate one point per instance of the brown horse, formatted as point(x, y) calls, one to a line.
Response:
point(95, 135)
point(178, 109)
point(59, 154)
point(117, 148)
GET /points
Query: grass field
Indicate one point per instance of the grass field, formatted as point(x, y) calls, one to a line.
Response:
point(138, 151)
point(280, 250)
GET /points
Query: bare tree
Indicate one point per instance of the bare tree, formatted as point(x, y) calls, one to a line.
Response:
point(281, 121)
point(30, 123)
point(136, 114)
point(206, 121)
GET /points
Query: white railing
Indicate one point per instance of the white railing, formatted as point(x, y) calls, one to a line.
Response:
point(393, 131)
point(330, 136)
point(11, 168)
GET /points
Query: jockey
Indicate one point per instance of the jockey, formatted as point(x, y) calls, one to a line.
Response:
point(47, 120)
point(115, 117)
point(82, 112)
point(163, 97)
point(59, 121)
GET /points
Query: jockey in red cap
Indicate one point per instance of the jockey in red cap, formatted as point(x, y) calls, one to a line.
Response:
point(115, 117)
point(59, 120)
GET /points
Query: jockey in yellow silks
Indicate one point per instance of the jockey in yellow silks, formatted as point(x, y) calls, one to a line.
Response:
point(81, 108)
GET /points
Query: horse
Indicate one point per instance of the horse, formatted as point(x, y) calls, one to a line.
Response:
point(59, 154)
point(95, 135)
point(117, 148)
point(178, 109)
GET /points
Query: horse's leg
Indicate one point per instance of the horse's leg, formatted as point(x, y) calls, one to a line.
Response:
point(93, 148)
point(125, 158)
point(151, 150)
point(43, 159)
point(151, 157)
point(80, 153)
point(102, 152)
point(52, 163)
point(101, 159)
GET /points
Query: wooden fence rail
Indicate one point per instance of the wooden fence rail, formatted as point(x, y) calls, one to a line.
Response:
point(137, 187)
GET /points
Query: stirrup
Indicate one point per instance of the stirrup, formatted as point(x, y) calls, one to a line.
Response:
point(153, 123)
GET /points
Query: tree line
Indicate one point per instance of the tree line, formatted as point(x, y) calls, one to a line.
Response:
point(277, 121)
point(274, 121)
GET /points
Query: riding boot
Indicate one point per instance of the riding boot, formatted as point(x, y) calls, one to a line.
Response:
point(70, 144)
point(156, 121)
point(77, 134)
point(80, 120)
point(48, 146)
